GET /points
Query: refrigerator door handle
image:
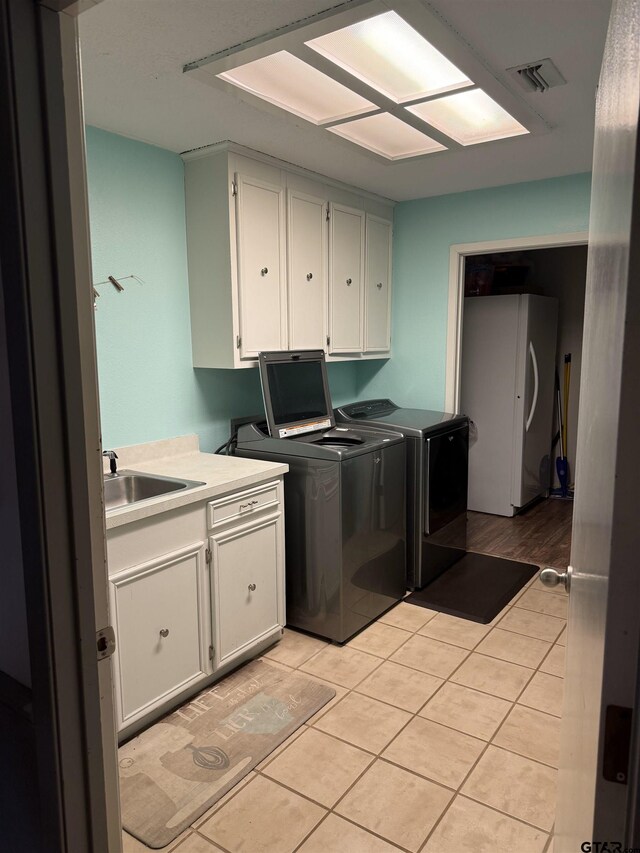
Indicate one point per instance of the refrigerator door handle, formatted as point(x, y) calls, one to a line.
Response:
point(536, 386)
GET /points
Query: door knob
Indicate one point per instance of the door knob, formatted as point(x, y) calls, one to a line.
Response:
point(552, 577)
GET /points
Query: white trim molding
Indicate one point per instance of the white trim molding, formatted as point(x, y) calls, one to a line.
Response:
point(457, 254)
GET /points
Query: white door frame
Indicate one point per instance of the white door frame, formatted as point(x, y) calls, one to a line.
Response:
point(457, 254)
point(51, 360)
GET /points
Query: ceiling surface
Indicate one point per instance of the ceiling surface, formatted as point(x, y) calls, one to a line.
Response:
point(133, 53)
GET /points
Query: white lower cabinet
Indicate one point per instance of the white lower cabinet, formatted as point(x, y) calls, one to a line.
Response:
point(158, 613)
point(193, 592)
point(245, 566)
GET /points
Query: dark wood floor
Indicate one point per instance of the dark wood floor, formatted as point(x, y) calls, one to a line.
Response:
point(540, 534)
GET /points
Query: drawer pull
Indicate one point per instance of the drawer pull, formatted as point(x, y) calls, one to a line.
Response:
point(349, 281)
point(249, 505)
point(309, 276)
point(252, 587)
point(164, 632)
point(264, 271)
point(379, 285)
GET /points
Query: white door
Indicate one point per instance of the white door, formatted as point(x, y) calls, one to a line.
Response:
point(307, 270)
point(346, 273)
point(261, 265)
point(245, 589)
point(535, 370)
point(597, 793)
point(377, 294)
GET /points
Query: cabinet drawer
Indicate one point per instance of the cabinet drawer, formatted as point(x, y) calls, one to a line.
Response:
point(242, 505)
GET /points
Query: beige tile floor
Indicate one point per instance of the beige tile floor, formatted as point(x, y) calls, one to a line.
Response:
point(442, 738)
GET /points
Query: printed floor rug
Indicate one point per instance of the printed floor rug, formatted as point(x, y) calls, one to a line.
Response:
point(174, 771)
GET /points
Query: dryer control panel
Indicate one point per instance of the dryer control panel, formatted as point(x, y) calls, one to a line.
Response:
point(369, 408)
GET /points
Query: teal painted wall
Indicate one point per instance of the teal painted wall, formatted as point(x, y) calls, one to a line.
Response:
point(424, 231)
point(148, 388)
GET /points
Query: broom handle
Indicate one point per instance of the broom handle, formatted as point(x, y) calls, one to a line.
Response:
point(560, 424)
point(567, 385)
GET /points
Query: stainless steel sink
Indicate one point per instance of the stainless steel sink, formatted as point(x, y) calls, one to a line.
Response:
point(129, 487)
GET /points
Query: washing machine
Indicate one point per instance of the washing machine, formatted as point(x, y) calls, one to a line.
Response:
point(344, 500)
point(437, 459)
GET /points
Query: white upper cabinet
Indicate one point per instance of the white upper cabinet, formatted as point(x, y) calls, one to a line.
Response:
point(307, 270)
point(269, 271)
point(346, 273)
point(377, 291)
point(261, 265)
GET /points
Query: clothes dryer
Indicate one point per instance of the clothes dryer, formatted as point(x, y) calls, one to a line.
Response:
point(437, 458)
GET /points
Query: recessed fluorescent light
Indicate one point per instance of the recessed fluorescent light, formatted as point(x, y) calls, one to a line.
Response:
point(288, 82)
point(387, 135)
point(469, 117)
point(388, 54)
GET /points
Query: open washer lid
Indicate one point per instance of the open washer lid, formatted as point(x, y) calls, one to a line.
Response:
point(295, 391)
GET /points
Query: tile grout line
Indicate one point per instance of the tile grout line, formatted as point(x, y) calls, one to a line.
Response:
point(331, 809)
point(484, 751)
point(458, 790)
point(514, 702)
point(378, 756)
point(219, 846)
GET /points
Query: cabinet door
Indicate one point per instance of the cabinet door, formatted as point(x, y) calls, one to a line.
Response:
point(261, 265)
point(307, 280)
point(247, 572)
point(158, 613)
point(377, 295)
point(346, 268)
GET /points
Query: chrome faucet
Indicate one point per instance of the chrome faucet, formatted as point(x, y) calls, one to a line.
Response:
point(112, 456)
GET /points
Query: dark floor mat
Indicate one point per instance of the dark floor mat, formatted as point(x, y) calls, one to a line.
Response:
point(477, 587)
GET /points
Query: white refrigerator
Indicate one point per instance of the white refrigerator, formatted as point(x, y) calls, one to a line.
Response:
point(507, 390)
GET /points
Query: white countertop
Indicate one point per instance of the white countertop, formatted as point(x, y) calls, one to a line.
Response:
point(181, 457)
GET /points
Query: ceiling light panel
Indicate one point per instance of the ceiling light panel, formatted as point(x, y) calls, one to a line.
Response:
point(469, 117)
point(389, 55)
point(387, 135)
point(288, 82)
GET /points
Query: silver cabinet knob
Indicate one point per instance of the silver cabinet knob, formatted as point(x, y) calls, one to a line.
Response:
point(552, 577)
point(379, 285)
point(164, 632)
point(309, 276)
point(349, 281)
point(264, 270)
point(252, 587)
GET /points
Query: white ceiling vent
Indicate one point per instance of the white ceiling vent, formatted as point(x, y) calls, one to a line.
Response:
point(537, 76)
